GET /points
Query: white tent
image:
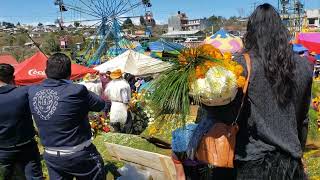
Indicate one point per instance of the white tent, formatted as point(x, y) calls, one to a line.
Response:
point(134, 63)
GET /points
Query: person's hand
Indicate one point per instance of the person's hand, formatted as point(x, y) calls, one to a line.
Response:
point(180, 175)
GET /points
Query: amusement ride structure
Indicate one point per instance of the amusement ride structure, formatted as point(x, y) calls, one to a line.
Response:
point(292, 13)
point(107, 16)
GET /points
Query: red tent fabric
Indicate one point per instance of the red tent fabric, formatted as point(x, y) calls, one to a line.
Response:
point(310, 41)
point(32, 70)
point(8, 59)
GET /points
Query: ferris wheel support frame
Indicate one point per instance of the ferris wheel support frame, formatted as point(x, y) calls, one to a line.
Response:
point(109, 13)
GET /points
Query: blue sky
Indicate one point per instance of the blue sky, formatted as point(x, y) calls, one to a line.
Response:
point(33, 11)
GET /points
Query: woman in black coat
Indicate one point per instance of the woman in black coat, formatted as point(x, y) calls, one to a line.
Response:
point(273, 128)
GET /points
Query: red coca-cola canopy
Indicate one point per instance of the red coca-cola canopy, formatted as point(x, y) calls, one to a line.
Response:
point(32, 70)
point(8, 59)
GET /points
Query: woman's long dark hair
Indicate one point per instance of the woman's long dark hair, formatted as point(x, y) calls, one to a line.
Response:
point(268, 39)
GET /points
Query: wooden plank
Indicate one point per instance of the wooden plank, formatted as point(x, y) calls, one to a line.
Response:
point(146, 159)
point(167, 169)
point(156, 175)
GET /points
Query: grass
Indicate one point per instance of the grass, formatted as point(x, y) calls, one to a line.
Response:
point(312, 159)
point(312, 154)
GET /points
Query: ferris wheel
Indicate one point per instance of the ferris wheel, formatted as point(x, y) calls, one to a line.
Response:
point(107, 16)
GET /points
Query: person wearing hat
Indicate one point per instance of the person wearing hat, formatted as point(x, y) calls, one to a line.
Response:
point(105, 79)
point(92, 83)
point(18, 148)
point(119, 93)
point(60, 109)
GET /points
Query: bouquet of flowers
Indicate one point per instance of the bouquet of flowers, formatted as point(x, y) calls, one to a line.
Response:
point(139, 117)
point(203, 73)
point(98, 123)
point(316, 107)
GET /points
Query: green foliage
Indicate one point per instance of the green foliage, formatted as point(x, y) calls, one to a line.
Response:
point(163, 126)
point(314, 134)
point(312, 159)
point(313, 128)
point(7, 24)
point(10, 39)
point(133, 141)
point(315, 89)
point(171, 95)
point(21, 53)
point(216, 22)
point(21, 39)
point(51, 44)
point(76, 24)
point(127, 24)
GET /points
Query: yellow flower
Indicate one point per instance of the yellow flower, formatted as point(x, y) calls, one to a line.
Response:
point(152, 130)
point(227, 56)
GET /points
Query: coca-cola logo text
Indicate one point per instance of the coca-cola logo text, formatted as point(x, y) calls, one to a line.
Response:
point(34, 72)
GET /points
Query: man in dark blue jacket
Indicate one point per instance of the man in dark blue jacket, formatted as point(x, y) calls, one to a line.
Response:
point(60, 109)
point(17, 145)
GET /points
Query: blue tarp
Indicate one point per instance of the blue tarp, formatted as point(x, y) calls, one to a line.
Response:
point(163, 46)
point(223, 34)
point(113, 51)
point(299, 48)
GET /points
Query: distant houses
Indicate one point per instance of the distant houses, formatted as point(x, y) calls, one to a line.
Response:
point(181, 22)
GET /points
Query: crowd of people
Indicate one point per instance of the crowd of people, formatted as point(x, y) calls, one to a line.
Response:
point(60, 110)
point(272, 124)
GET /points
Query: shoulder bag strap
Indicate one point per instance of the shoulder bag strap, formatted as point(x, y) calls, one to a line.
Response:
point(246, 85)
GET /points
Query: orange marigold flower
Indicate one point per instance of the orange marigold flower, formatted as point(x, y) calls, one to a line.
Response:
point(227, 56)
point(182, 60)
point(238, 70)
point(218, 55)
point(201, 72)
point(241, 81)
point(209, 64)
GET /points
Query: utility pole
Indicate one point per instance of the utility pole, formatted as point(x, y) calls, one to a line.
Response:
point(254, 5)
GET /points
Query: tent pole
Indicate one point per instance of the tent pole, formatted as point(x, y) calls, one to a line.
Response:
point(35, 43)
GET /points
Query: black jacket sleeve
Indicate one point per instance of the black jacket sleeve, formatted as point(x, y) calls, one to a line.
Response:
point(304, 103)
point(96, 103)
point(303, 120)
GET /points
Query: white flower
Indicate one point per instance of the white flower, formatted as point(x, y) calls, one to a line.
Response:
point(219, 87)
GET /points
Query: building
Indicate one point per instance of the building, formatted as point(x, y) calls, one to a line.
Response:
point(181, 22)
point(35, 34)
point(187, 38)
point(198, 24)
point(64, 42)
point(178, 22)
point(313, 16)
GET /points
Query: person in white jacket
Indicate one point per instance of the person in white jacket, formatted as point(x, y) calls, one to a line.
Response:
point(119, 93)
